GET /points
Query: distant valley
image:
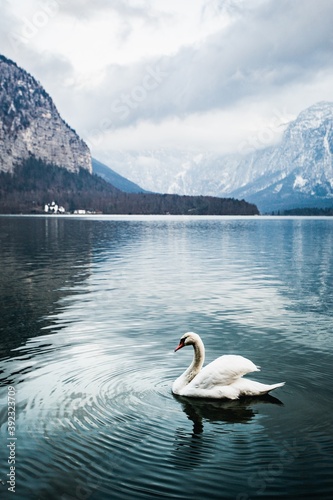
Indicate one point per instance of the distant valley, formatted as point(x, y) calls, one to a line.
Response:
point(296, 173)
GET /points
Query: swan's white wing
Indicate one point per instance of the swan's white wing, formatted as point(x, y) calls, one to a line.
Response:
point(223, 371)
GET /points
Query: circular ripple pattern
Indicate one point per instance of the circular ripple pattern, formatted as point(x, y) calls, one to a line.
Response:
point(80, 402)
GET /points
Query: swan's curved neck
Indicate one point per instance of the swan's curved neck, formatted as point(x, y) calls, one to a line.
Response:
point(199, 354)
point(193, 369)
point(197, 361)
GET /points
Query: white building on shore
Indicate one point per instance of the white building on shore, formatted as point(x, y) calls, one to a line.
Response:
point(53, 208)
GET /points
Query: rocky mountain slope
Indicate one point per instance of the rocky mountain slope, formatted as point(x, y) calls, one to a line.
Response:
point(296, 172)
point(30, 125)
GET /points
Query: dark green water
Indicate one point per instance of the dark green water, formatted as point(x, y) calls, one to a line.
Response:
point(91, 310)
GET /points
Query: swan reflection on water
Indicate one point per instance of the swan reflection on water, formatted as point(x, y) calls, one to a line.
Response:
point(192, 448)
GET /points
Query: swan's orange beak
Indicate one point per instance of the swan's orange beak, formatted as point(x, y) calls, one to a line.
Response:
point(181, 344)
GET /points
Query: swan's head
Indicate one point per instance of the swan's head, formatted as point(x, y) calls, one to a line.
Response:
point(189, 338)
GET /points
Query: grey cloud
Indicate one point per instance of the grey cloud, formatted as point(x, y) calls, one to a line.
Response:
point(269, 47)
point(220, 7)
point(277, 44)
point(85, 9)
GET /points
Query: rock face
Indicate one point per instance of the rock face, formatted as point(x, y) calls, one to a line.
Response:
point(297, 172)
point(30, 125)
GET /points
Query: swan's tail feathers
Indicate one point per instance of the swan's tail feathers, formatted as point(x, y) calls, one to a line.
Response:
point(249, 387)
point(266, 388)
point(275, 386)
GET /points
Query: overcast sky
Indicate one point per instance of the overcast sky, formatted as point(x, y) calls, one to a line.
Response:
point(217, 75)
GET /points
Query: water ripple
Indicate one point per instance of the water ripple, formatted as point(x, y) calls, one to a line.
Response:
point(92, 310)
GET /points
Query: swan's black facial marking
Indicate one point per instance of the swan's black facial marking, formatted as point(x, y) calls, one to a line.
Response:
point(181, 344)
point(183, 339)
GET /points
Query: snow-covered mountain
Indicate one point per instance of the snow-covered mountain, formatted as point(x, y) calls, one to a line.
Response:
point(296, 172)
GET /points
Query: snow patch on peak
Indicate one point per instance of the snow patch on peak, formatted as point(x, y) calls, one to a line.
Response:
point(278, 188)
point(299, 182)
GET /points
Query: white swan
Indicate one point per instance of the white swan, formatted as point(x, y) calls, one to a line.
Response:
point(220, 379)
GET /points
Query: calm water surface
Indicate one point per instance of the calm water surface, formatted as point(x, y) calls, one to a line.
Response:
point(91, 310)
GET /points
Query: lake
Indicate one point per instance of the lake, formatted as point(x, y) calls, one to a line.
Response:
point(92, 308)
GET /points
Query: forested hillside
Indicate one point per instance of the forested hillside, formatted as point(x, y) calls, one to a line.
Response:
point(34, 184)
